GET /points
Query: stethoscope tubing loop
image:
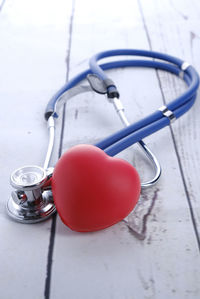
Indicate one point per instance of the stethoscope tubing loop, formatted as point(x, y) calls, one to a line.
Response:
point(133, 133)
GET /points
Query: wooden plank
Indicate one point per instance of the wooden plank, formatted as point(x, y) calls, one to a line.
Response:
point(180, 37)
point(33, 40)
point(157, 255)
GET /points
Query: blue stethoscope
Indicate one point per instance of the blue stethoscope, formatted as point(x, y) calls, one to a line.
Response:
point(32, 199)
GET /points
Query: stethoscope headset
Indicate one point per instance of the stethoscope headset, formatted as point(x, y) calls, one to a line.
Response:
point(89, 188)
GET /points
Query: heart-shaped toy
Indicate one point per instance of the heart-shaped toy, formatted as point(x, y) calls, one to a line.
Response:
point(92, 190)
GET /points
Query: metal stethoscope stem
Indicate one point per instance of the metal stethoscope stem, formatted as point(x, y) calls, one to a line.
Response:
point(157, 168)
point(120, 111)
point(51, 129)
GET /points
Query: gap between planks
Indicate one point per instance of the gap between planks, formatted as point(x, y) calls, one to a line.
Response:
point(47, 288)
point(172, 135)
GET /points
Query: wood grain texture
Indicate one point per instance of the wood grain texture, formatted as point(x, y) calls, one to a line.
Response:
point(153, 255)
point(181, 41)
point(33, 40)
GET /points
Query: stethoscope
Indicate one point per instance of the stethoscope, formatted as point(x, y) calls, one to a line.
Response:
point(32, 200)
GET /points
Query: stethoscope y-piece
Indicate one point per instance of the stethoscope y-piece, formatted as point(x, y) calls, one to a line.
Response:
point(86, 201)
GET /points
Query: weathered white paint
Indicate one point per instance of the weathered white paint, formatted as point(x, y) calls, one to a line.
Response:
point(33, 39)
point(163, 260)
point(180, 37)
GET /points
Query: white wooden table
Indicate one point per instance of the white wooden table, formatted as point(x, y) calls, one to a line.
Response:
point(42, 44)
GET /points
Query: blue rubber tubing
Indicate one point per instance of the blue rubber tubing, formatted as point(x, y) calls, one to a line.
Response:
point(150, 124)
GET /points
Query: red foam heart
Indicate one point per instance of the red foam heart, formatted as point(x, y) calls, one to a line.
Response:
point(92, 190)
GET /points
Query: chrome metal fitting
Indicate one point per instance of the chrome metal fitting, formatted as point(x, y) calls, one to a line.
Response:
point(185, 65)
point(167, 113)
point(118, 104)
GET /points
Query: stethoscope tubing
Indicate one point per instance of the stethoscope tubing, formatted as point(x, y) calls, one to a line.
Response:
point(150, 124)
point(130, 63)
point(119, 144)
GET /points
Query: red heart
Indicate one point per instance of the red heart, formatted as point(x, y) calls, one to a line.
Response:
point(92, 190)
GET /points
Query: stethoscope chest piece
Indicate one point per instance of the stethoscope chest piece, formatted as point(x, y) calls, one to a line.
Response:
point(32, 199)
